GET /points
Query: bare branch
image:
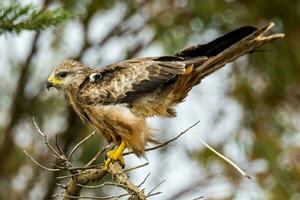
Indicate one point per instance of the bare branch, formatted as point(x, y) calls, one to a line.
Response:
point(99, 153)
point(199, 198)
point(81, 176)
point(79, 181)
point(136, 167)
point(121, 178)
point(87, 167)
point(85, 177)
point(154, 194)
point(58, 146)
point(99, 186)
point(90, 197)
point(71, 175)
point(40, 165)
point(144, 180)
point(80, 143)
point(159, 184)
point(166, 142)
point(45, 138)
point(63, 186)
point(227, 160)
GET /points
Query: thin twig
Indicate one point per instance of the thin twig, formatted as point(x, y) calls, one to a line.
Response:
point(62, 156)
point(227, 160)
point(154, 194)
point(45, 138)
point(80, 143)
point(99, 153)
point(88, 167)
point(71, 175)
point(90, 197)
point(58, 146)
point(136, 167)
point(57, 166)
point(144, 180)
point(166, 142)
point(159, 184)
point(99, 186)
point(63, 186)
point(55, 156)
point(197, 198)
point(40, 165)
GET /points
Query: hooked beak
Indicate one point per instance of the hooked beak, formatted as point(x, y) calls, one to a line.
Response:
point(49, 85)
point(52, 82)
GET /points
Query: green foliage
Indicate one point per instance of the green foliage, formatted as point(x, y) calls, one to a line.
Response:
point(15, 17)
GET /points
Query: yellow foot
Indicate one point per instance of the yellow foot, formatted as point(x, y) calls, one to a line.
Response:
point(115, 155)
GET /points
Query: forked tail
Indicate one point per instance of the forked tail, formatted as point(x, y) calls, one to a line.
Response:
point(218, 52)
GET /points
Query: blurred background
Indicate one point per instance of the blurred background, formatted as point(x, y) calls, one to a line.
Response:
point(248, 110)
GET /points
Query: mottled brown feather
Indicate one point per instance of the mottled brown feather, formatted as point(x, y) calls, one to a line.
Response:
point(126, 81)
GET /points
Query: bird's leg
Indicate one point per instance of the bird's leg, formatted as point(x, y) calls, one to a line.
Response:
point(113, 155)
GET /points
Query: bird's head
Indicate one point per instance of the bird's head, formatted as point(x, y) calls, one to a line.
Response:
point(67, 74)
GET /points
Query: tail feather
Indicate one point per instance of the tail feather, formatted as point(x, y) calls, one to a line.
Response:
point(217, 53)
point(218, 45)
point(240, 48)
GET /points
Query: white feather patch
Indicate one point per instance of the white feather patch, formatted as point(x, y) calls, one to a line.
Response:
point(94, 76)
point(122, 109)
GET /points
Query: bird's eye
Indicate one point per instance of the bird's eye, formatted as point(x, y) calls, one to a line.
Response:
point(62, 74)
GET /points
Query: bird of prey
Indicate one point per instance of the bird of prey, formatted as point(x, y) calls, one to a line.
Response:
point(117, 99)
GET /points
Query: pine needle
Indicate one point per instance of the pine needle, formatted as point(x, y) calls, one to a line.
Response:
point(15, 17)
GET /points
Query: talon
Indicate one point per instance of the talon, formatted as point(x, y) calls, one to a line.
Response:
point(115, 155)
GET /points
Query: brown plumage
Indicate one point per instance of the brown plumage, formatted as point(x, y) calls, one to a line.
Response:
point(118, 98)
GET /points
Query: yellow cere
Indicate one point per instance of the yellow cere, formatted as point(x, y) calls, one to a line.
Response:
point(54, 80)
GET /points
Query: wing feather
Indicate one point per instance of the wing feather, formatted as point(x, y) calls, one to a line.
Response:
point(126, 81)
